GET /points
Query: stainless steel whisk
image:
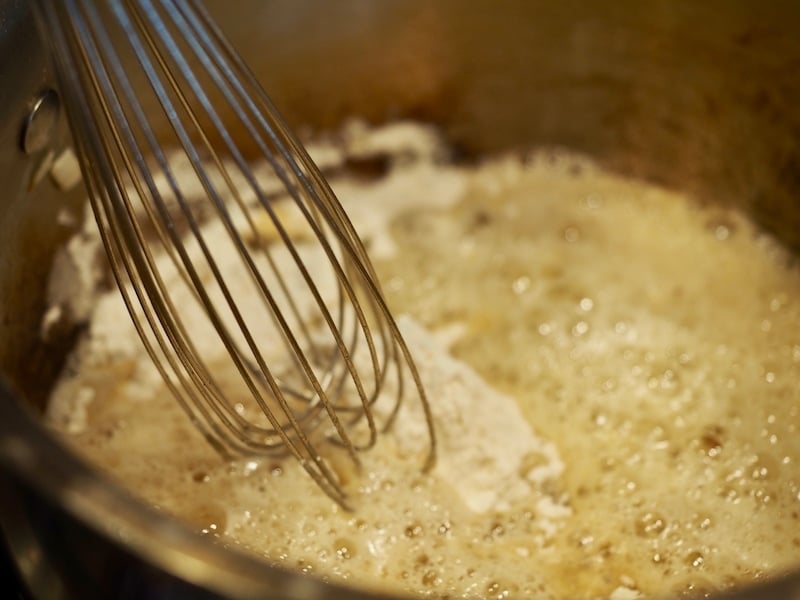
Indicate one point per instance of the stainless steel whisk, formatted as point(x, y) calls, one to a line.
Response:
point(140, 77)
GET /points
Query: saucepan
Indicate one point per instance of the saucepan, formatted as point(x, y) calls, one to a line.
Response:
point(696, 96)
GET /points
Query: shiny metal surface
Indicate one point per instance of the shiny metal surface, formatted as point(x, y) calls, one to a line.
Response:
point(39, 127)
point(698, 96)
point(177, 48)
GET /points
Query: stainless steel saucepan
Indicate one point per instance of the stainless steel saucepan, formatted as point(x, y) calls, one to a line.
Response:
point(700, 96)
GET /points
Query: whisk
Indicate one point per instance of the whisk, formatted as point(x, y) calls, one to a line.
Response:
point(296, 313)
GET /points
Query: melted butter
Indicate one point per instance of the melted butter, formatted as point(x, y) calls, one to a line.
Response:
point(653, 342)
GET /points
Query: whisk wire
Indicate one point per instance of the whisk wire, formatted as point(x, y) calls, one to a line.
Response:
point(329, 322)
point(99, 193)
point(141, 250)
point(310, 375)
point(215, 396)
point(203, 98)
point(126, 225)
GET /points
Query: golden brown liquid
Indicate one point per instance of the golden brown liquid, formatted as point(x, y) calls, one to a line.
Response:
point(654, 343)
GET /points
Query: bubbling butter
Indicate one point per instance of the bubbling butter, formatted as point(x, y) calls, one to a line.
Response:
point(612, 369)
